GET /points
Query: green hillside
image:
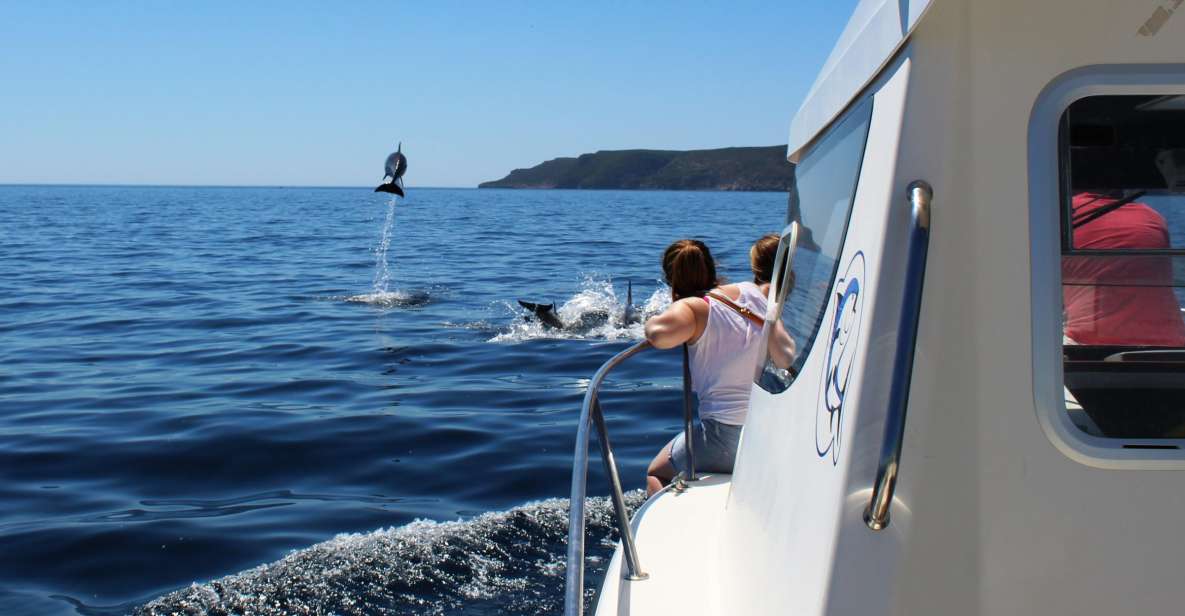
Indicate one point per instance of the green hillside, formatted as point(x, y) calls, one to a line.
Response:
point(757, 168)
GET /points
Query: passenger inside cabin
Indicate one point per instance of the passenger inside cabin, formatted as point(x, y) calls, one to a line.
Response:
point(1118, 299)
point(721, 325)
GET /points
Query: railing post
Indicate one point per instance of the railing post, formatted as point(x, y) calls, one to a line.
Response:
point(688, 429)
point(590, 413)
point(629, 549)
point(574, 574)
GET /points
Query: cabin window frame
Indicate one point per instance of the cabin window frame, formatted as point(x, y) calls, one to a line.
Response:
point(860, 111)
point(1046, 241)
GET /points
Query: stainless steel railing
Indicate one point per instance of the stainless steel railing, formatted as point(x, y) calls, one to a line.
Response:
point(876, 516)
point(590, 415)
point(679, 484)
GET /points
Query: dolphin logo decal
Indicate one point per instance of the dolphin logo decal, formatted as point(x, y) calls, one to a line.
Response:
point(842, 339)
point(393, 171)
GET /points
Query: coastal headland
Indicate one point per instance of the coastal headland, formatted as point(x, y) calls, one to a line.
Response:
point(739, 169)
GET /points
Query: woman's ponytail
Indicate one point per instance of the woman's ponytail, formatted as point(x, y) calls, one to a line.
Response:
point(689, 269)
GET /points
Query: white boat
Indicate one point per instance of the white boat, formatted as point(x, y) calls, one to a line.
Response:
point(957, 436)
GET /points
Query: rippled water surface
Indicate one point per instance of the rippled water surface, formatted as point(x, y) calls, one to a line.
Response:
point(235, 400)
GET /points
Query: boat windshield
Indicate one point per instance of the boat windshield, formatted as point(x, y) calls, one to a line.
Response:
point(1123, 264)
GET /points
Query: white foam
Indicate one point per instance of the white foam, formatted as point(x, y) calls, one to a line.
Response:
point(391, 299)
point(595, 297)
point(512, 560)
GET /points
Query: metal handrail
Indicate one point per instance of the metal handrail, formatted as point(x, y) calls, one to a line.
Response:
point(679, 484)
point(876, 516)
point(590, 411)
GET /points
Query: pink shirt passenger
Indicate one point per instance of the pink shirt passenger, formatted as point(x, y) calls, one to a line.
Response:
point(1120, 299)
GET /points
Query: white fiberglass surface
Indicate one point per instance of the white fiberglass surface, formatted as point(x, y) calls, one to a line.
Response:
point(679, 545)
point(805, 456)
point(876, 29)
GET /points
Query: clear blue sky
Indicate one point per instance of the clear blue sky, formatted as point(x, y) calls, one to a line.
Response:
point(296, 93)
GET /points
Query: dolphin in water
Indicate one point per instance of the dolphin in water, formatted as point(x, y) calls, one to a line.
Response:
point(393, 172)
point(546, 314)
point(630, 314)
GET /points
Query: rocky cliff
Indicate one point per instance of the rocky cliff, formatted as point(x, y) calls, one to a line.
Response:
point(756, 168)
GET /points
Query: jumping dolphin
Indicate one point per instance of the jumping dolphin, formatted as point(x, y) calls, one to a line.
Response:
point(546, 314)
point(393, 172)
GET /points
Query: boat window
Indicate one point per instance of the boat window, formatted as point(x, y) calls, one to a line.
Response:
point(821, 197)
point(1122, 161)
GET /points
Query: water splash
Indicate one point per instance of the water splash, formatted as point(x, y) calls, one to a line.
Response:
point(391, 299)
point(510, 562)
point(382, 272)
point(380, 295)
point(593, 312)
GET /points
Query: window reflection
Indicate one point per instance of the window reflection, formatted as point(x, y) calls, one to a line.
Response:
point(821, 199)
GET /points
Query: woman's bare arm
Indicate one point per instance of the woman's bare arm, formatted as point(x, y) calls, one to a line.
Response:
point(673, 327)
point(782, 350)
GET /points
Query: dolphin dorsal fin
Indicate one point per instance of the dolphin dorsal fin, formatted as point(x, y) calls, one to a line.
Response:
point(629, 293)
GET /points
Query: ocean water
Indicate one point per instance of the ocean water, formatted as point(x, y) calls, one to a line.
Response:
point(271, 400)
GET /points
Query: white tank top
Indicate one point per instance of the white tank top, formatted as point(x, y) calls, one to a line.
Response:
point(725, 357)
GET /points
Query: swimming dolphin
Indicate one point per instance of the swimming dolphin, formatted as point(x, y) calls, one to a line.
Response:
point(546, 314)
point(393, 172)
point(630, 314)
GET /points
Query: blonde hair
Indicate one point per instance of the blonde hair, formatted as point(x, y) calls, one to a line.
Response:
point(762, 255)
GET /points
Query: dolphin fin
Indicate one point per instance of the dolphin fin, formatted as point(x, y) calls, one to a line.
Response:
point(629, 315)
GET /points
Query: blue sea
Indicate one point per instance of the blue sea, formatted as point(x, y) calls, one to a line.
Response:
point(320, 400)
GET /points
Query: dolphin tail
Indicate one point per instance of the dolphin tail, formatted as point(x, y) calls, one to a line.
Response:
point(544, 312)
point(392, 188)
point(537, 308)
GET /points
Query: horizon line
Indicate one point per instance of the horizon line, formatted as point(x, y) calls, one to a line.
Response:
point(328, 187)
point(131, 185)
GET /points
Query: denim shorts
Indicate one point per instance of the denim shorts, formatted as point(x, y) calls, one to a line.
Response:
point(715, 447)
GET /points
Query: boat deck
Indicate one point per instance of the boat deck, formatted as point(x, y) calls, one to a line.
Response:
point(678, 539)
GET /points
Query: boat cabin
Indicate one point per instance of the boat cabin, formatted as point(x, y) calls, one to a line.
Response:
point(986, 411)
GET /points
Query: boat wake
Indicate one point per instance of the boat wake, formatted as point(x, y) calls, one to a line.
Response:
point(509, 562)
point(594, 312)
